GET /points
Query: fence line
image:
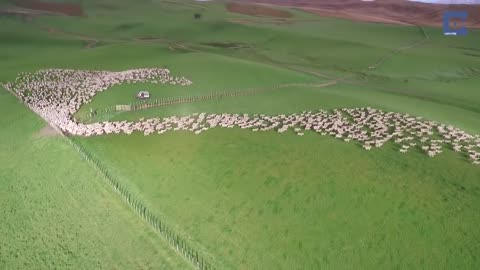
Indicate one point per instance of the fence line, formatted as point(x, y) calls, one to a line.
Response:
point(167, 101)
point(426, 37)
point(176, 242)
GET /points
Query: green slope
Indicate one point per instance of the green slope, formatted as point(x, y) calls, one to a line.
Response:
point(245, 200)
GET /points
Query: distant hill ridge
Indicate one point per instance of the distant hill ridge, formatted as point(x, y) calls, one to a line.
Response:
point(402, 12)
point(450, 2)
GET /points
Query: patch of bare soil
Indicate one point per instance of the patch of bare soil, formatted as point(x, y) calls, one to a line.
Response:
point(69, 9)
point(22, 12)
point(46, 132)
point(257, 10)
point(277, 21)
point(147, 38)
point(381, 11)
point(90, 44)
point(151, 38)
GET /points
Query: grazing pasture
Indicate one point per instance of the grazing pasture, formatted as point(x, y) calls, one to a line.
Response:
point(241, 199)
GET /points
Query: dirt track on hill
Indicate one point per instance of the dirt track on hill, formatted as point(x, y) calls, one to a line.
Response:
point(46, 132)
point(257, 10)
point(385, 11)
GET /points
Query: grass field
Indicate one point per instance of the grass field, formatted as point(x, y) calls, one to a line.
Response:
point(309, 209)
point(244, 200)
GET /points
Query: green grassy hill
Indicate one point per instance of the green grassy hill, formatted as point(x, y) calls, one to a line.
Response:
point(244, 200)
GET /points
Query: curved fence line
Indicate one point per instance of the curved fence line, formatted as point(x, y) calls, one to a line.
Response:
point(167, 101)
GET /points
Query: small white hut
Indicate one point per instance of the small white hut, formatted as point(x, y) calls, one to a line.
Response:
point(143, 95)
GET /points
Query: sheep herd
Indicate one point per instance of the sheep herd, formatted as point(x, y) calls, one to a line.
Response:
point(56, 94)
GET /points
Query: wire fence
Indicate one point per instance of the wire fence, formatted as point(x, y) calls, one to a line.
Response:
point(167, 101)
point(176, 242)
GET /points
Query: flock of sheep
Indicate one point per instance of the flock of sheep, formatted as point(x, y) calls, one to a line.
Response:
point(57, 94)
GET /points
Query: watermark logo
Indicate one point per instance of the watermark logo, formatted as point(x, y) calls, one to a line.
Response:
point(454, 23)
